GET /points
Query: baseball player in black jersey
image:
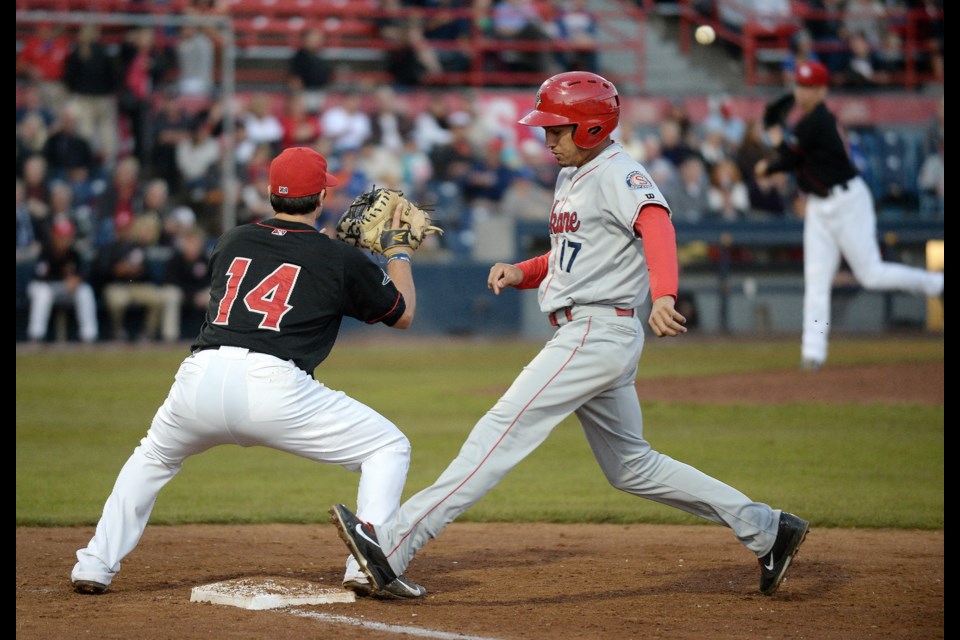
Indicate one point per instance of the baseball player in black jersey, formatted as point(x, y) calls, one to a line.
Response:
point(279, 290)
point(839, 217)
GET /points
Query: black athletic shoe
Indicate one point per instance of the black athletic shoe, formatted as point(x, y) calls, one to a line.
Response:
point(774, 565)
point(361, 539)
point(88, 587)
point(401, 589)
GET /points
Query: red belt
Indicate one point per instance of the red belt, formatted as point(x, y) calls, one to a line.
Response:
point(567, 312)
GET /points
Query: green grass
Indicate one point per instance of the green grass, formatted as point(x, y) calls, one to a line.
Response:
point(80, 414)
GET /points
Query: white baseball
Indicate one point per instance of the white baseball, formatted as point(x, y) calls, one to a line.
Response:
point(705, 34)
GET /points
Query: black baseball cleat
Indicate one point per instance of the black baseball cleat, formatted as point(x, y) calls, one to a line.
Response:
point(88, 587)
point(773, 566)
point(400, 589)
point(361, 539)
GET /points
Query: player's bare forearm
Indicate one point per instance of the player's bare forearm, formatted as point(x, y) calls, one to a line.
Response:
point(665, 320)
point(503, 275)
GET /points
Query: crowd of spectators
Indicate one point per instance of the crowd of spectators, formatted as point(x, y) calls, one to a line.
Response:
point(120, 154)
point(863, 43)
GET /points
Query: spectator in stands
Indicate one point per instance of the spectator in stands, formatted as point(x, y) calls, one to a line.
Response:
point(769, 195)
point(824, 21)
point(123, 196)
point(578, 29)
point(28, 246)
point(255, 193)
point(416, 170)
point(42, 61)
point(69, 154)
point(713, 145)
point(863, 70)
point(37, 194)
point(519, 22)
point(179, 220)
point(489, 176)
point(347, 126)
point(144, 64)
point(446, 29)
point(452, 163)
point(535, 156)
point(930, 35)
point(301, 128)
point(91, 77)
point(169, 125)
point(727, 197)
point(196, 59)
point(310, 71)
point(198, 161)
point(390, 124)
point(431, 126)
point(379, 165)
point(62, 207)
point(60, 278)
point(31, 103)
point(664, 173)
point(526, 198)
point(723, 116)
point(801, 50)
point(689, 196)
point(31, 138)
point(123, 273)
point(260, 123)
point(412, 61)
point(868, 17)
point(157, 205)
point(187, 279)
point(673, 145)
point(890, 55)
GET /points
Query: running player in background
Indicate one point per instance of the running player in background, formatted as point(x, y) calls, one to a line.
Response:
point(839, 218)
point(612, 245)
point(279, 291)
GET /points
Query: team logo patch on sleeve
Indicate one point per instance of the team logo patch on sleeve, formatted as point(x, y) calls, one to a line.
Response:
point(636, 180)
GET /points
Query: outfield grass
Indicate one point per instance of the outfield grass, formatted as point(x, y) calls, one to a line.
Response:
point(80, 414)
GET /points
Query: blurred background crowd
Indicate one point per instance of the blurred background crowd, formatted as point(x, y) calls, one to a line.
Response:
point(129, 148)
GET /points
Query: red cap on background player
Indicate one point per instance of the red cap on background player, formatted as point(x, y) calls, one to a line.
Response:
point(298, 172)
point(812, 74)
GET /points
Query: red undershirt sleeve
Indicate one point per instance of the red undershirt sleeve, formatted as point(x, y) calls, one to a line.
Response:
point(534, 271)
point(660, 247)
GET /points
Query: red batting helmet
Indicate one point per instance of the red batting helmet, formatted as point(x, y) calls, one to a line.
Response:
point(581, 98)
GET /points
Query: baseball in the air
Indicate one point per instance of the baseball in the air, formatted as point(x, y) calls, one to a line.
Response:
point(705, 34)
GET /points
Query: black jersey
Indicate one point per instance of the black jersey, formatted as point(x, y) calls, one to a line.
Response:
point(816, 153)
point(283, 288)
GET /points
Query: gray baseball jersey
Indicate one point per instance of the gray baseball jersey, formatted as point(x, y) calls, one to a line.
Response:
point(595, 255)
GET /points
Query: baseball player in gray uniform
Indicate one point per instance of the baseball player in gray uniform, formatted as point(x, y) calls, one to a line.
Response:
point(612, 245)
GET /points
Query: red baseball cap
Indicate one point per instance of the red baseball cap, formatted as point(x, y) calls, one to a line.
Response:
point(298, 172)
point(63, 227)
point(812, 74)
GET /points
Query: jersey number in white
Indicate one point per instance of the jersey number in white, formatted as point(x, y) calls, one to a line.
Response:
point(269, 298)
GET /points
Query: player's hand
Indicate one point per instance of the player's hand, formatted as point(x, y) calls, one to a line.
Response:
point(503, 275)
point(665, 320)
